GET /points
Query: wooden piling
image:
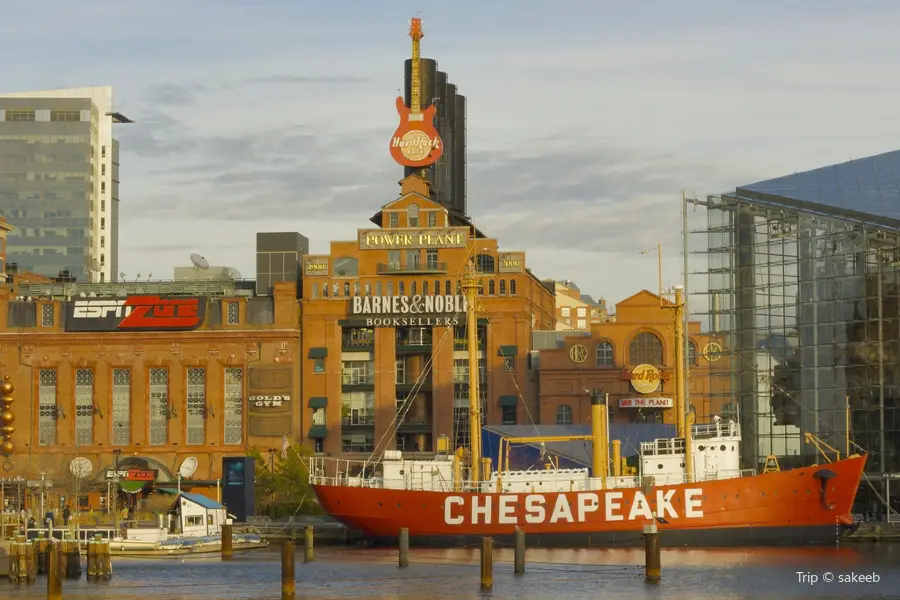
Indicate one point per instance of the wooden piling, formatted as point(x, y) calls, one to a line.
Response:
point(520, 552)
point(104, 566)
point(226, 541)
point(54, 570)
point(652, 561)
point(21, 559)
point(308, 554)
point(13, 571)
point(30, 563)
point(288, 579)
point(487, 564)
point(403, 542)
point(71, 560)
point(41, 549)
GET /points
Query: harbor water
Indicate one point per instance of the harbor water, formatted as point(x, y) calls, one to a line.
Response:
point(852, 571)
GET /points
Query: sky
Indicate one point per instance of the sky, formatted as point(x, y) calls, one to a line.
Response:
point(586, 120)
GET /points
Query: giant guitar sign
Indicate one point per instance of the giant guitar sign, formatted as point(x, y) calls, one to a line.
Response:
point(416, 143)
point(136, 313)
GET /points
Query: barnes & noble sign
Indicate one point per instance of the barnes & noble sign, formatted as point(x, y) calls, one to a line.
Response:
point(403, 311)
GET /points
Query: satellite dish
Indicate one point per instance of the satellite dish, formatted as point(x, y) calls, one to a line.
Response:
point(122, 276)
point(138, 276)
point(188, 467)
point(199, 262)
point(80, 467)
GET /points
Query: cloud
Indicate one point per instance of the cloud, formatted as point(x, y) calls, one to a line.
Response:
point(290, 79)
point(168, 94)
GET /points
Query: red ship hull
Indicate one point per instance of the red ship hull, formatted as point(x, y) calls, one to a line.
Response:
point(799, 506)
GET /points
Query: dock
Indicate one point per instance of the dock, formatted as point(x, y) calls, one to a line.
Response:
point(327, 531)
point(874, 532)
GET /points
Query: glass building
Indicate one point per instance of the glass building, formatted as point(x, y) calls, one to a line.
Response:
point(802, 289)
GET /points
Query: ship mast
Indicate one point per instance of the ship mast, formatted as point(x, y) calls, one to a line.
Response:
point(470, 286)
point(682, 419)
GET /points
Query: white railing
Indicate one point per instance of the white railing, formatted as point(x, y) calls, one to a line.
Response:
point(720, 429)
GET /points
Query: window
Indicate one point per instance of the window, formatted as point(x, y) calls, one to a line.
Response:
point(65, 116)
point(512, 287)
point(447, 287)
point(103, 169)
point(121, 407)
point(346, 289)
point(509, 363)
point(424, 288)
point(358, 408)
point(390, 288)
point(103, 241)
point(103, 151)
point(318, 365)
point(692, 353)
point(47, 405)
point(461, 371)
point(318, 417)
point(20, 115)
point(412, 259)
point(378, 288)
point(582, 311)
point(84, 407)
point(102, 187)
point(368, 289)
point(356, 288)
point(566, 311)
point(412, 216)
point(437, 287)
point(314, 289)
point(233, 407)
point(563, 414)
point(502, 287)
point(233, 313)
point(484, 263)
point(401, 290)
point(605, 355)
point(325, 290)
point(393, 219)
point(491, 287)
point(432, 218)
point(645, 348)
point(346, 266)
point(102, 222)
point(159, 406)
point(393, 258)
point(400, 371)
point(431, 258)
point(196, 405)
point(47, 315)
point(509, 415)
point(412, 288)
point(358, 372)
point(335, 290)
point(582, 324)
point(193, 521)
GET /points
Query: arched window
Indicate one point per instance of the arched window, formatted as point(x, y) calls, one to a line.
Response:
point(458, 287)
point(563, 414)
point(512, 287)
point(502, 287)
point(692, 353)
point(412, 216)
point(645, 348)
point(484, 263)
point(491, 287)
point(325, 290)
point(424, 288)
point(401, 290)
point(412, 288)
point(437, 287)
point(390, 288)
point(377, 288)
point(315, 290)
point(346, 289)
point(346, 266)
point(356, 288)
point(447, 288)
point(335, 290)
point(368, 289)
point(605, 355)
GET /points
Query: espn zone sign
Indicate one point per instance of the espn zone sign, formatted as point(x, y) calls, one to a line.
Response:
point(136, 313)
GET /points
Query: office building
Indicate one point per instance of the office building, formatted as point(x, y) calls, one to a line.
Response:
point(802, 287)
point(59, 182)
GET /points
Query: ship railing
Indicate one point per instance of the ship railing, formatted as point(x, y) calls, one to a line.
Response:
point(719, 429)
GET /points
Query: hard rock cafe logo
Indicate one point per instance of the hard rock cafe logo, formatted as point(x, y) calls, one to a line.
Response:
point(712, 351)
point(578, 354)
point(645, 379)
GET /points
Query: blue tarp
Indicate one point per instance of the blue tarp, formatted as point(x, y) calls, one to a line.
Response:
point(572, 455)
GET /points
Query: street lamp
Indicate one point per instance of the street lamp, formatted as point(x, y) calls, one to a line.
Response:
point(272, 460)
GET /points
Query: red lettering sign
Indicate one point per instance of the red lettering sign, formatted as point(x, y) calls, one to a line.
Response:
point(153, 312)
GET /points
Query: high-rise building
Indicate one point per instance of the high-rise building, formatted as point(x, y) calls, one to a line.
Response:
point(448, 174)
point(59, 182)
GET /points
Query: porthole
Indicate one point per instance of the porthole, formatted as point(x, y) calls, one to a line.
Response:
point(701, 447)
point(659, 466)
point(722, 448)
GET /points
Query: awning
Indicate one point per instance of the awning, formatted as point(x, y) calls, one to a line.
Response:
point(508, 351)
point(132, 487)
point(509, 401)
point(318, 402)
point(318, 353)
point(317, 432)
